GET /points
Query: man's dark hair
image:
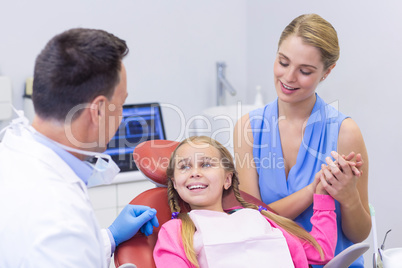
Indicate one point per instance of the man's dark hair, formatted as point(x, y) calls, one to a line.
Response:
point(75, 67)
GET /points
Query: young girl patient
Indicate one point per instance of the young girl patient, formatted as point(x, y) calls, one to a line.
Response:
point(201, 171)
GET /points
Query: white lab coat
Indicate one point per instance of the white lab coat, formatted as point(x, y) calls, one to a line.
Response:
point(46, 217)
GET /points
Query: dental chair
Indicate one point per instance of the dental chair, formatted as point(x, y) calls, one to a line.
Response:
point(152, 158)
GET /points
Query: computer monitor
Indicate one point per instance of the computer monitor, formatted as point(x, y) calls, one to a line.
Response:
point(141, 122)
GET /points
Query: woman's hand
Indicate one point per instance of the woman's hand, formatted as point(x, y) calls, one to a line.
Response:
point(339, 178)
point(355, 166)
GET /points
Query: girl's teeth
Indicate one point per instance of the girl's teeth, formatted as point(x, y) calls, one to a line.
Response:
point(196, 187)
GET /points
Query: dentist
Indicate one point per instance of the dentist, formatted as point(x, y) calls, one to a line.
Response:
point(46, 216)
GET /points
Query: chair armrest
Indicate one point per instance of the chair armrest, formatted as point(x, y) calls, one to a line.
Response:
point(348, 256)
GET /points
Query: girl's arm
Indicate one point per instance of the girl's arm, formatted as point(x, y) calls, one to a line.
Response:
point(169, 251)
point(350, 191)
point(290, 206)
point(324, 229)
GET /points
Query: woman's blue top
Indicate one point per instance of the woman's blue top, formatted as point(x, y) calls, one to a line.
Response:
point(319, 139)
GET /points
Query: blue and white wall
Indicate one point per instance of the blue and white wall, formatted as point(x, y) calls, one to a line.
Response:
point(174, 47)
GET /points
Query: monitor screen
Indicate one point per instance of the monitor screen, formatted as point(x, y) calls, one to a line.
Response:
point(141, 122)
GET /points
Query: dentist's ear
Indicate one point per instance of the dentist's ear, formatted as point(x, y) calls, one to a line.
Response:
point(97, 109)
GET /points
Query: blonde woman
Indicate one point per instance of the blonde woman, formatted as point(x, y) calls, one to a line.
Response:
point(280, 148)
point(201, 171)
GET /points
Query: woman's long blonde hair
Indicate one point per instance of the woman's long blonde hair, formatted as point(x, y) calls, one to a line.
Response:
point(188, 227)
point(317, 32)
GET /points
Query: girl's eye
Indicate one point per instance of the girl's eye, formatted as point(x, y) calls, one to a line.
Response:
point(184, 167)
point(283, 64)
point(304, 72)
point(206, 165)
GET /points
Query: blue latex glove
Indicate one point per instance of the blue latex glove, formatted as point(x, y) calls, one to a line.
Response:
point(131, 219)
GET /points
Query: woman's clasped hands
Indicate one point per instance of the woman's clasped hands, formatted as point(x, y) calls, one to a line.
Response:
point(339, 177)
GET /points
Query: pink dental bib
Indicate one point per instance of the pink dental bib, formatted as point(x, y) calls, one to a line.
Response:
point(242, 239)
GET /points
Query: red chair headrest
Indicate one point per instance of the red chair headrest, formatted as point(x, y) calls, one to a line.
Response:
point(152, 159)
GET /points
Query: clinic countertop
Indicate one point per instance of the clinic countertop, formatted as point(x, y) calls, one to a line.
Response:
point(129, 176)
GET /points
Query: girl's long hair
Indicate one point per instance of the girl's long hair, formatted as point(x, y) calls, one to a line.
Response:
point(188, 227)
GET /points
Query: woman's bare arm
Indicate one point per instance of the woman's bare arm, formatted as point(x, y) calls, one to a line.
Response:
point(351, 191)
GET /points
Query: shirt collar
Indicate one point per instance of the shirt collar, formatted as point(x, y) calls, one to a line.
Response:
point(81, 169)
